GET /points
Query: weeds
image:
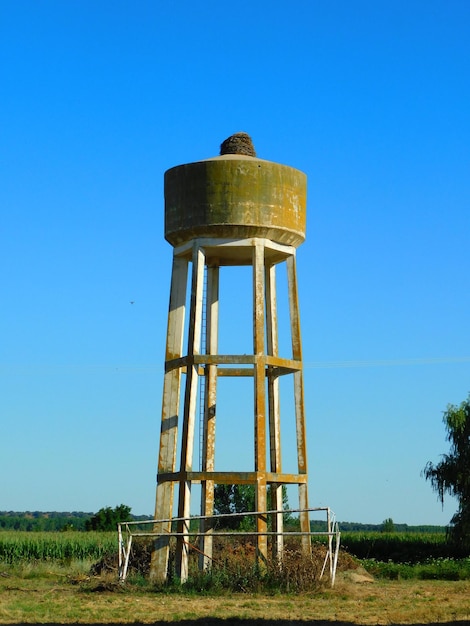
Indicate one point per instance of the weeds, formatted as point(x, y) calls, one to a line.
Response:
point(235, 569)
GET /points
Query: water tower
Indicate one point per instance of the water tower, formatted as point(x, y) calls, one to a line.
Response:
point(231, 210)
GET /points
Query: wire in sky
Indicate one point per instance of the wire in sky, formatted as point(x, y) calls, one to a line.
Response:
point(385, 362)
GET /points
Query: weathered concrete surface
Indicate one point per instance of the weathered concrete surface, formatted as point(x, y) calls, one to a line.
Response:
point(237, 197)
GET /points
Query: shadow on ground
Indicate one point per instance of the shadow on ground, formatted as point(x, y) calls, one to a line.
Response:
point(216, 621)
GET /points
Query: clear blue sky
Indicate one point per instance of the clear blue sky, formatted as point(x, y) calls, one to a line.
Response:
point(98, 99)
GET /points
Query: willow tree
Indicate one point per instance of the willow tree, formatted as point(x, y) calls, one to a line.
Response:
point(451, 476)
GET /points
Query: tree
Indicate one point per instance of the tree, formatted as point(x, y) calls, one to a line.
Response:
point(108, 518)
point(387, 526)
point(452, 474)
point(229, 499)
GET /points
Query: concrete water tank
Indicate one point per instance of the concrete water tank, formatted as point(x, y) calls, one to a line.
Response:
point(235, 196)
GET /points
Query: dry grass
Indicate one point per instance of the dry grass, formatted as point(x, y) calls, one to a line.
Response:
point(57, 598)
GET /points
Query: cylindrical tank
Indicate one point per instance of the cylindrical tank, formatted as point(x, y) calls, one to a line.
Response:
point(235, 196)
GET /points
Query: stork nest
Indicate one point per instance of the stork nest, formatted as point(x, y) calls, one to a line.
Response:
point(239, 143)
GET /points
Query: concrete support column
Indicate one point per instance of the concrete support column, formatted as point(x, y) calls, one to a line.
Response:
point(274, 409)
point(298, 396)
point(170, 412)
point(189, 413)
point(260, 393)
point(208, 442)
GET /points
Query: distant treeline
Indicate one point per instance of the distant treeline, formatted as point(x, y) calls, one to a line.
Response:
point(76, 520)
point(317, 525)
point(48, 521)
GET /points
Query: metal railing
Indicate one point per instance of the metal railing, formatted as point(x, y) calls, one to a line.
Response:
point(332, 532)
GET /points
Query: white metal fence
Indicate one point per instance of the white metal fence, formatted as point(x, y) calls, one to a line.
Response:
point(126, 533)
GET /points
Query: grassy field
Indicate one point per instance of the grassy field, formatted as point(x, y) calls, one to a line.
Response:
point(68, 595)
point(46, 578)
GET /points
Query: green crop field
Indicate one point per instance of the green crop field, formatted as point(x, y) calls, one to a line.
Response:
point(392, 555)
point(397, 547)
point(20, 546)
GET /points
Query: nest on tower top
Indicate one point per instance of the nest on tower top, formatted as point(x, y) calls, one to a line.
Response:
point(239, 143)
